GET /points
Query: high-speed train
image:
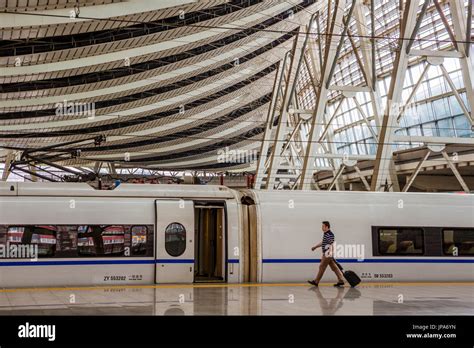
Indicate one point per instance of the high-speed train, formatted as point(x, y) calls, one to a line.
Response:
point(60, 234)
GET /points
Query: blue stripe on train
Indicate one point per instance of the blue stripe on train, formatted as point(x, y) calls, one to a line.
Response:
point(97, 262)
point(75, 263)
point(370, 261)
point(174, 261)
point(149, 262)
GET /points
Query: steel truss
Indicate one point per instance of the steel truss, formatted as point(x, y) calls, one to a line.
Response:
point(298, 140)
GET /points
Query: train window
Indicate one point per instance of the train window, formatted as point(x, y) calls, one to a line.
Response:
point(113, 238)
point(175, 239)
point(66, 245)
point(41, 236)
point(64, 241)
point(401, 241)
point(88, 243)
point(15, 234)
point(139, 234)
point(101, 240)
point(458, 241)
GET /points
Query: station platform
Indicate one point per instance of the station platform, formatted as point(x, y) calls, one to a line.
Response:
point(243, 299)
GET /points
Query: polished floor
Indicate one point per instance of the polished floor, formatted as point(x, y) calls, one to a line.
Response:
point(243, 299)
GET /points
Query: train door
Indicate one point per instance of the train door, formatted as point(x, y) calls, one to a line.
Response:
point(210, 257)
point(250, 260)
point(174, 241)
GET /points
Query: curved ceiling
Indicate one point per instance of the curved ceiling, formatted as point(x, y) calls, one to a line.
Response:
point(168, 83)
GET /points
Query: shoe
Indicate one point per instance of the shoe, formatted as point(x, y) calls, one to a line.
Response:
point(339, 283)
point(312, 282)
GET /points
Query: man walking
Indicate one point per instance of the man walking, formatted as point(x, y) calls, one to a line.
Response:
point(327, 258)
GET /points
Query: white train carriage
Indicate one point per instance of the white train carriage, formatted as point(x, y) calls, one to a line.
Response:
point(381, 236)
point(135, 234)
point(146, 234)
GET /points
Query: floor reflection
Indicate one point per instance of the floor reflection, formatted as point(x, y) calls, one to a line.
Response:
point(330, 306)
point(258, 299)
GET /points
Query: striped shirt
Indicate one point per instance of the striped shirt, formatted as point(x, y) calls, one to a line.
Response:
point(328, 239)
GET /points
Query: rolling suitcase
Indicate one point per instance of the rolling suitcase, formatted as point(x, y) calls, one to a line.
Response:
point(351, 276)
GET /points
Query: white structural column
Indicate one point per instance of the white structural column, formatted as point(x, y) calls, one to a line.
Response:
point(282, 148)
point(317, 118)
point(280, 135)
point(461, 34)
point(262, 160)
point(455, 171)
point(367, 57)
point(8, 161)
point(412, 177)
point(382, 165)
point(368, 60)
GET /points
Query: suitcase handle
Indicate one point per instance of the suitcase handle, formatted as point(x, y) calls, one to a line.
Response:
point(338, 265)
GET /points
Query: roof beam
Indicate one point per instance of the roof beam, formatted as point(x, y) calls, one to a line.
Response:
point(87, 13)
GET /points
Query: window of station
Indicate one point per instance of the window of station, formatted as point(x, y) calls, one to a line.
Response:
point(401, 241)
point(175, 239)
point(458, 242)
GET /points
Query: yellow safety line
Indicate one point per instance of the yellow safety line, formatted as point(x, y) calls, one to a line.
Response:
point(247, 285)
